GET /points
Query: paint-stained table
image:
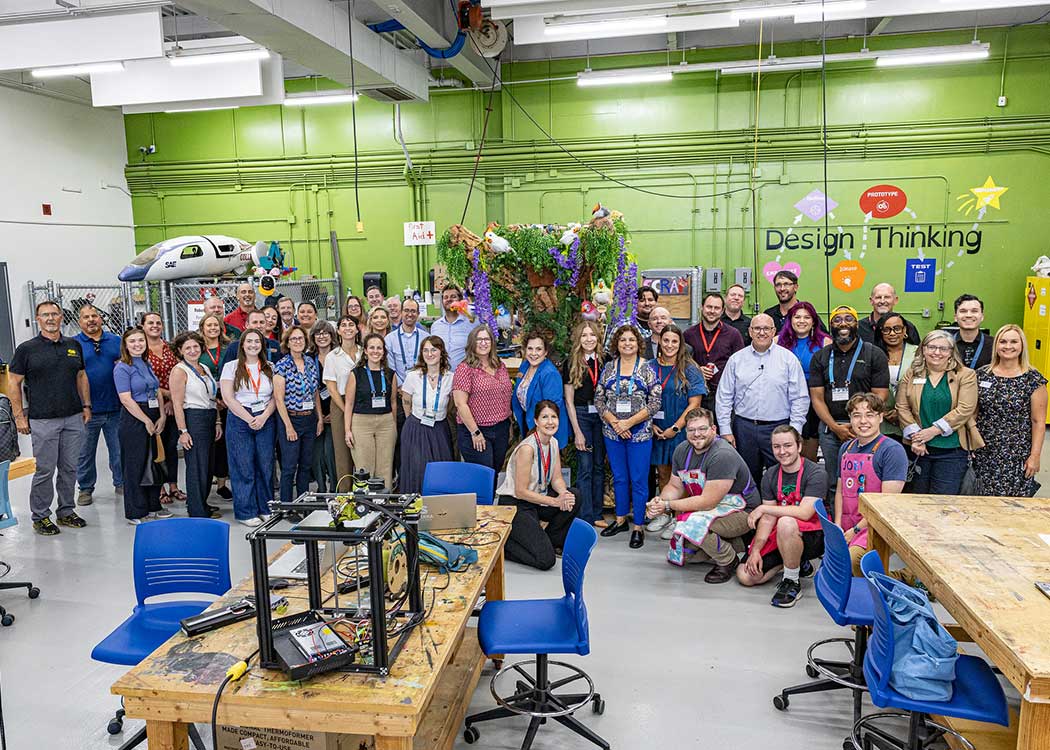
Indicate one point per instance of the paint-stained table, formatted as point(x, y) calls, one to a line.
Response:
point(421, 704)
point(981, 557)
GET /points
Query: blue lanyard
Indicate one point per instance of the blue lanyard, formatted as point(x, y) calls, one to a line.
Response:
point(619, 376)
point(372, 382)
point(852, 364)
point(437, 396)
point(401, 345)
point(148, 376)
point(209, 383)
point(977, 354)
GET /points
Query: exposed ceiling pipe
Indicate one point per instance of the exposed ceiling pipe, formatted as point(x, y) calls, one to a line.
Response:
point(445, 83)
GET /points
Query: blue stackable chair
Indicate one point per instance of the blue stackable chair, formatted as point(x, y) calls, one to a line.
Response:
point(543, 627)
point(174, 556)
point(847, 600)
point(455, 477)
point(7, 520)
point(976, 692)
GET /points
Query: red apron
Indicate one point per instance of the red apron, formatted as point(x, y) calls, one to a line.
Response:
point(793, 498)
point(857, 475)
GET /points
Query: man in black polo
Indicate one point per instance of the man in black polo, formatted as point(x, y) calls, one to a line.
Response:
point(845, 367)
point(52, 368)
point(973, 345)
point(254, 321)
point(734, 313)
point(785, 283)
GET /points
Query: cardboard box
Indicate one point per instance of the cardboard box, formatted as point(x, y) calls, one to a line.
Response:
point(248, 738)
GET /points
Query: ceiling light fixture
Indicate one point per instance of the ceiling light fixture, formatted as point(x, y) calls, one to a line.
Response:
point(931, 58)
point(339, 96)
point(185, 61)
point(785, 11)
point(617, 78)
point(771, 66)
point(78, 70)
point(604, 28)
point(198, 109)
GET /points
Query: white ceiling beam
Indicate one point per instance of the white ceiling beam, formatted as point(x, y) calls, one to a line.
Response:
point(81, 41)
point(881, 26)
point(314, 33)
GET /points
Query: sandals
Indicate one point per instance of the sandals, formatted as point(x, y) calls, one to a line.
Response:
point(167, 497)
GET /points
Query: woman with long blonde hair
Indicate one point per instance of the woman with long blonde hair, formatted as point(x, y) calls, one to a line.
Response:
point(1011, 416)
point(581, 372)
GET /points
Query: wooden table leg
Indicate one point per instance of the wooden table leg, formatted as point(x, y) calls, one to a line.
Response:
point(1034, 731)
point(880, 545)
point(388, 742)
point(167, 735)
point(494, 586)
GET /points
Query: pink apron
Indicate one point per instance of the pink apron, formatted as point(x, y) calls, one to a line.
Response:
point(793, 498)
point(857, 475)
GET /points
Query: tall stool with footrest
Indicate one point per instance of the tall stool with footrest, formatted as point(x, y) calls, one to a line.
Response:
point(7, 519)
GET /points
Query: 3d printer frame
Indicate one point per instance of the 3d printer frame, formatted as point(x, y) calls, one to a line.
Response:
point(398, 521)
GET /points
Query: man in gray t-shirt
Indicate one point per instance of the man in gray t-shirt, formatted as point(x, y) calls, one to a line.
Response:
point(710, 493)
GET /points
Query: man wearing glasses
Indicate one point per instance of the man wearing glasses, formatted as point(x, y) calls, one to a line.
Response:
point(883, 299)
point(52, 368)
point(785, 283)
point(101, 350)
point(710, 492)
point(840, 370)
point(762, 387)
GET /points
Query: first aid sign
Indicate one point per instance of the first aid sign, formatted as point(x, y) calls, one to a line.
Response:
point(420, 233)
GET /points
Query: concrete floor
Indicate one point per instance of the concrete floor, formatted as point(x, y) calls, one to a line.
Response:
point(677, 660)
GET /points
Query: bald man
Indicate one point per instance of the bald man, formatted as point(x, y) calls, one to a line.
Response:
point(245, 304)
point(214, 305)
point(883, 299)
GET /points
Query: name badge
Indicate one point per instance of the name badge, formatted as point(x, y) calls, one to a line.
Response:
point(840, 394)
point(985, 384)
point(378, 402)
point(918, 381)
point(428, 419)
point(592, 409)
point(623, 406)
point(323, 393)
point(659, 414)
point(153, 403)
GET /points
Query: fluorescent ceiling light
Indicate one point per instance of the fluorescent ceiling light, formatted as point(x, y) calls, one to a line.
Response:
point(615, 78)
point(339, 96)
point(588, 28)
point(78, 70)
point(770, 67)
point(220, 57)
point(934, 58)
point(198, 109)
point(784, 11)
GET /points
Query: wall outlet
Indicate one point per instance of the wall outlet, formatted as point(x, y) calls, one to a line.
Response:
point(925, 312)
point(940, 305)
point(1001, 102)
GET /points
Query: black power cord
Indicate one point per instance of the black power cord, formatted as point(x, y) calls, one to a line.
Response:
point(236, 672)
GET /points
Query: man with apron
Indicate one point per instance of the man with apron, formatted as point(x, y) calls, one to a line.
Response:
point(787, 530)
point(871, 462)
point(709, 494)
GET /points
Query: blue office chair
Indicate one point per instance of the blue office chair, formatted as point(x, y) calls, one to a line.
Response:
point(7, 519)
point(454, 477)
point(543, 627)
point(174, 556)
point(976, 693)
point(847, 600)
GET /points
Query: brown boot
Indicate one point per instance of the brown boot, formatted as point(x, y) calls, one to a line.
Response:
point(722, 573)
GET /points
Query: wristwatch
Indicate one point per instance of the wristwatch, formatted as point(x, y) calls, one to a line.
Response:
point(667, 506)
point(476, 433)
point(183, 432)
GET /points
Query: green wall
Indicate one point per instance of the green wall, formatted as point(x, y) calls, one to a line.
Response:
point(935, 132)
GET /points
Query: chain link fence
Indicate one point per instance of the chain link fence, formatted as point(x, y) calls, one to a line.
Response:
point(109, 299)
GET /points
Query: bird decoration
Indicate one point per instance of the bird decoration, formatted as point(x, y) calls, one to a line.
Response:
point(589, 311)
point(504, 320)
point(601, 294)
point(601, 218)
point(570, 234)
point(462, 307)
point(497, 244)
point(599, 211)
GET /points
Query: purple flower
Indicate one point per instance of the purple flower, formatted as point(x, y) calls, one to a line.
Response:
point(573, 262)
point(482, 294)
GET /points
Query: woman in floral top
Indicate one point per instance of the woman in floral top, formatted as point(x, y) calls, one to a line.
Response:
point(627, 397)
point(162, 360)
point(295, 390)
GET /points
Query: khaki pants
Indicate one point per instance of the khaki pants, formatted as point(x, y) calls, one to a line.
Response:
point(374, 438)
point(344, 464)
point(724, 541)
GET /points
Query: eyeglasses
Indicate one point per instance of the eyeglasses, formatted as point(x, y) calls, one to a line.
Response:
point(842, 319)
point(893, 329)
point(783, 285)
point(763, 329)
point(698, 430)
point(937, 348)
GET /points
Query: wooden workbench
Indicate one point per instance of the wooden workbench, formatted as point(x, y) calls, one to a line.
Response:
point(421, 704)
point(980, 557)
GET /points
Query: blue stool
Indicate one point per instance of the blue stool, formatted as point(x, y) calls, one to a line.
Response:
point(455, 477)
point(7, 519)
point(543, 627)
point(847, 600)
point(173, 556)
point(976, 692)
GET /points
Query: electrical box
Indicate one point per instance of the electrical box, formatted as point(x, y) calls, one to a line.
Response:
point(374, 278)
point(714, 280)
point(1037, 324)
point(744, 277)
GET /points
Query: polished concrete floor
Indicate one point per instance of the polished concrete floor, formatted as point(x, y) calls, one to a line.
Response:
point(679, 662)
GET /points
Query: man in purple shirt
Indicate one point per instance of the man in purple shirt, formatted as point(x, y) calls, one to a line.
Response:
point(713, 342)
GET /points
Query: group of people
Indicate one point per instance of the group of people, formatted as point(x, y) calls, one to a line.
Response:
point(712, 433)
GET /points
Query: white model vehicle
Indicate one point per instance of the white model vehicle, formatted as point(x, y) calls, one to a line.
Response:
point(188, 257)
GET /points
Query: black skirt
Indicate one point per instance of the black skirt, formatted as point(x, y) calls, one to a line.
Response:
point(419, 446)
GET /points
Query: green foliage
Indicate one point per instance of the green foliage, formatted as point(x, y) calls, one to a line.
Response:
point(454, 258)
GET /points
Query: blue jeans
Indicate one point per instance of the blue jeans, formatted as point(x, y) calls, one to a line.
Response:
point(250, 454)
point(629, 462)
point(590, 466)
point(297, 456)
point(108, 423)
point(497, 438)
point(940, 472)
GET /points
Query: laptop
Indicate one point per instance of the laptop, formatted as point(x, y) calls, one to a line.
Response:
point(292, 564)
point(443, 512)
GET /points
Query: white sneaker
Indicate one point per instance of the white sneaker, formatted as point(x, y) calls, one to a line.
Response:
point(136, 521)
point(668, 531)
point(264, 517)
point(251, 522)
point(163, 514)
point(658, 523)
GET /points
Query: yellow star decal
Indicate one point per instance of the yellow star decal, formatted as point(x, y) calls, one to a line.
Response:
point(988, 194)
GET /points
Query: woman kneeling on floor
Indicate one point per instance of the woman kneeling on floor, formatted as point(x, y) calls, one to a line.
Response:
point(534, 483)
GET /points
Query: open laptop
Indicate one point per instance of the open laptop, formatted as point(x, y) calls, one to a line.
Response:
point(292, 564)
point(443, 512)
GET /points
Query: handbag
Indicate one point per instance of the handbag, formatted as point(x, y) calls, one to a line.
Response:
point(154, 473)
point(924, 653)
point(8, 431)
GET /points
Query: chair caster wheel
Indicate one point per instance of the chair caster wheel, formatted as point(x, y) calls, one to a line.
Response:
point(598, 705)
point(847, 744)
point(7, 620)
point(34, 592)
point(470, 735)
point(115, 726)
point(811, 672)
point(780, 702)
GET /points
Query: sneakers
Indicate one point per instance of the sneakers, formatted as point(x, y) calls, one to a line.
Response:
point(46, 527)
point(162, 513)
point(668, 531)
point(84, 498)
point(136, 521)
point(658, 523)
point(250, 522)
point(807, 570)
point(224, 492)
point(788, 592)
point(73, 521)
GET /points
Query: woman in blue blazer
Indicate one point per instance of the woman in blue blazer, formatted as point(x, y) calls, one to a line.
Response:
point(538, 380)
